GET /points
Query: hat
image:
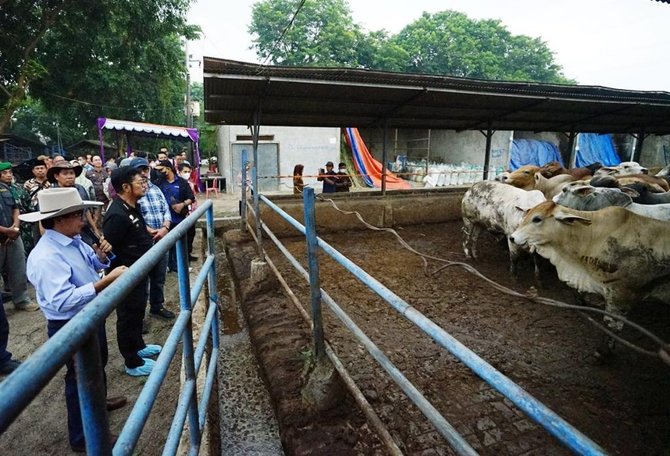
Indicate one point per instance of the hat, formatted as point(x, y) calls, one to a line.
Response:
point(36, 162)
point(139, 162)
point(4, 166)
point(126, 162)
point(342, 165)
point(58, 166)
point(110, 166)
point(329, 164)
point(166, 163)
point(54, 202)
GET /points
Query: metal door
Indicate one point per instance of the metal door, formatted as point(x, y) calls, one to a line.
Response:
point(268, 165)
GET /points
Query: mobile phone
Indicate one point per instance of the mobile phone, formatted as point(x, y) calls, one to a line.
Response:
point(89, 231)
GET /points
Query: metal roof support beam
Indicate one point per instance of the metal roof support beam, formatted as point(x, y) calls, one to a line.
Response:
point(572, 149)
point(478, 125)
point(487, 157)
point(638, 146)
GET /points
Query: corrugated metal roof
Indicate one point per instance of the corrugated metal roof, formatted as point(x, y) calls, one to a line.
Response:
point(338, 97)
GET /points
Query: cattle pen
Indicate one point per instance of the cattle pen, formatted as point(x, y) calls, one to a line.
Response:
point(546, 351)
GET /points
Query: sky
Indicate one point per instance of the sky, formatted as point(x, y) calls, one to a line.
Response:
point(623, 44)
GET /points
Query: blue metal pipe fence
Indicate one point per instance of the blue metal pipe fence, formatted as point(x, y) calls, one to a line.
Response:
point(553, 423)
point(78, 337)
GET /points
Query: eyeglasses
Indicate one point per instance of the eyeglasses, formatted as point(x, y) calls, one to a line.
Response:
point(77, 214)
point(141, 182)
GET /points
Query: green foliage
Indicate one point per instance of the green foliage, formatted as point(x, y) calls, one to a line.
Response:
point(85, 59)
point(447, 43)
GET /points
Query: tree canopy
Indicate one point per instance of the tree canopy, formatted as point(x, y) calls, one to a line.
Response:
point(71, 61)
point(448, 42)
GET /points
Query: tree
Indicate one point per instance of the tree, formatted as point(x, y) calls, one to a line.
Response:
point(450, 43)
point(322, 34)
point(447, 43)
point(88, 58)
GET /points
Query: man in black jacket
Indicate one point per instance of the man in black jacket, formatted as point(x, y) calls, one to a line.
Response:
point(124, 227)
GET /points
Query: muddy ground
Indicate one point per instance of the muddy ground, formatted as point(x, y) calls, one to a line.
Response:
point(42, 427)
point(623, 406)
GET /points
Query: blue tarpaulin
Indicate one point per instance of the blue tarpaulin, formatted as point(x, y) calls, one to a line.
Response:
point(532, 152)
point(596, 148)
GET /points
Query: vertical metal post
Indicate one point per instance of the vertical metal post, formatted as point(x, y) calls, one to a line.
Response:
point(638, 146)
point(187, 340)
point(92, 396)
point(254, 173)
point(189, 115)
point(572, 149)
point(633, 147)
point(384, 158)
point(211, 277)
point(313, 263)
point(487, 156)
point(243, 198)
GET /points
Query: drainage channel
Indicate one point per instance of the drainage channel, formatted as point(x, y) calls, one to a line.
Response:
point(247, 423)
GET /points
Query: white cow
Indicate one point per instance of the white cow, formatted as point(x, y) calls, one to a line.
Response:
point(553, 185)
point(588, 198)
point(498, 208)
point(613, 252)
point(622, 169)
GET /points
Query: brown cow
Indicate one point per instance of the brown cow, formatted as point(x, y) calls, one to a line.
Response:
point(554, 168)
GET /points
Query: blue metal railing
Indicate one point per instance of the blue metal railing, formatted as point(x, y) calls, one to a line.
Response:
point(77, 337)
point(554, 424)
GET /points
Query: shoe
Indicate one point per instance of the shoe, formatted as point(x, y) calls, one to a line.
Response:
point(143, 370)
point(149, 351)
point(9, 366)
point(114, 403)
point(162, 312)
point(27, 306)
point(81, 447)
point(192, 258)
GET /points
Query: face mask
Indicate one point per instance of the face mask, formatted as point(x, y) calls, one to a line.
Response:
point(185, 175)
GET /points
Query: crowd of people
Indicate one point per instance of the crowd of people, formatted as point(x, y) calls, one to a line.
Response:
point(64, 222)
point(333, 182)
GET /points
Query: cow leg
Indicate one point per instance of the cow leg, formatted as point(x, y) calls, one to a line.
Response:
point(514, 253)
point(470, 242)
point(536, 269)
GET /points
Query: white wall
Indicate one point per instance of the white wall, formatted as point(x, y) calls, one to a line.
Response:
point(310, 146)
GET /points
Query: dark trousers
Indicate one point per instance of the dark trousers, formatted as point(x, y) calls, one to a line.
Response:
point(172, 260)
point(4, 335)
point(129, 316)
point(157, 284)
point(74, 425)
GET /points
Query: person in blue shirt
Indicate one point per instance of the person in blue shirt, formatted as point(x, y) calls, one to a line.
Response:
point(179, 196)
point(329, 178)
point(65, 273)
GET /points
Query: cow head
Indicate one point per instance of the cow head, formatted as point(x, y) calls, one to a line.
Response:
point(523, 177)
point(552, 169)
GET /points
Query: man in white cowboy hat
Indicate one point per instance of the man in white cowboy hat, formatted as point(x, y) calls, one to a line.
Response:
point(64, 272)
point(64, 174)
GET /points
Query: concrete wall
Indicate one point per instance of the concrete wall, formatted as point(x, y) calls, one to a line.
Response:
point(398, 208)
point(312, 147)
point(440, 146)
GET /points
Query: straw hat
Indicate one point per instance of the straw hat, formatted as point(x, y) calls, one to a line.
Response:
point(54, 202)
point(58, 166)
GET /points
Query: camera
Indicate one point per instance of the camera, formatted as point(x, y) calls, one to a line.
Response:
point(322, 171)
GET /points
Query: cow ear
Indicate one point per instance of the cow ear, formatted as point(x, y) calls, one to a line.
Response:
point(630, 192)
point(583, 190)
point(570, 218)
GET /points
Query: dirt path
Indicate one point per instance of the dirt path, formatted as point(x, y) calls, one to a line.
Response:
point(622, 406)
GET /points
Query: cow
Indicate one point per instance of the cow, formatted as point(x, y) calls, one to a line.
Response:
point(622, 169)
point(588, 198)
point(551, 187)
point(653, 183)
point(498, 208)
point(554, 168)
point(613, 252)
point(523, 177)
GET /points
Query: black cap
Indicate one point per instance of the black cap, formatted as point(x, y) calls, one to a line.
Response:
point(329, 164)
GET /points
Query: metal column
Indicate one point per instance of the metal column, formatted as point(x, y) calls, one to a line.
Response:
point(255, 130)
point(487, 157)
point(313, 262)
point(384, 159)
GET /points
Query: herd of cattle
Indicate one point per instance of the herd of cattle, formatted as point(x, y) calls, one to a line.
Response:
point(605, 229)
